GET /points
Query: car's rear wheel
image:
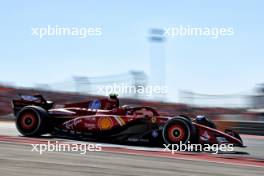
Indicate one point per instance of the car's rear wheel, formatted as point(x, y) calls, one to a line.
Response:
point(31, 121)
point(178, 130)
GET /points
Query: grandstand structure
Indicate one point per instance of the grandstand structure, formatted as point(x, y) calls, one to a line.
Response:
point(124, 84)
point(195, 99)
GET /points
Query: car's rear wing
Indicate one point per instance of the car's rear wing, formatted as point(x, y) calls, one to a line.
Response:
point(27, 100)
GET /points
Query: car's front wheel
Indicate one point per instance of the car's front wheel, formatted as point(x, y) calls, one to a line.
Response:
point(178, 130)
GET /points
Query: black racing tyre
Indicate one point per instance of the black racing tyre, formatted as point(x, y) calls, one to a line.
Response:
point(32, 121)
point(178, 130)
point(185, 117)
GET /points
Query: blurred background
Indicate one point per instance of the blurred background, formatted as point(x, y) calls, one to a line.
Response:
point(219, 77)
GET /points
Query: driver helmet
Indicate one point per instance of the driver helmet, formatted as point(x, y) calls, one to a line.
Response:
point(201, 118)
point(114, 100)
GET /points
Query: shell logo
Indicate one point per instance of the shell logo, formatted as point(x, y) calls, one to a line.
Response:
point(105, 123)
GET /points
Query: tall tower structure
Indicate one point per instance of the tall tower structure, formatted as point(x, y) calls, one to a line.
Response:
point(157, 60)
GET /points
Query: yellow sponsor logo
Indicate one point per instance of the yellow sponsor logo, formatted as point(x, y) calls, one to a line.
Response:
point(105, 123)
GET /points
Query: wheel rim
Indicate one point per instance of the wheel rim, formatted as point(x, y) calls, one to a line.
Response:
point(176, 133)
point(28, 121)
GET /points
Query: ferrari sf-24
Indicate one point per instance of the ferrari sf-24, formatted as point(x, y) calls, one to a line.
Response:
point(105, 120)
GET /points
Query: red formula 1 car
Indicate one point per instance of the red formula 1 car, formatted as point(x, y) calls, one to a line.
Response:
point(105, 120)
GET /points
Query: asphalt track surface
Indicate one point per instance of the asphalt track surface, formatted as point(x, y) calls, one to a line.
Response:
point(17, 158)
